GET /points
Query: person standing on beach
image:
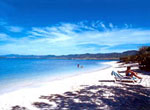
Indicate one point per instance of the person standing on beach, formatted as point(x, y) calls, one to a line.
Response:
point(78, 65)
point(131, 73)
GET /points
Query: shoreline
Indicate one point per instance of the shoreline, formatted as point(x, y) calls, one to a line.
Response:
point(37, 81)
point(25, 97)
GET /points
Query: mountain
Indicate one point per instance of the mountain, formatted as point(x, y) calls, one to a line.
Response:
point(75, 56)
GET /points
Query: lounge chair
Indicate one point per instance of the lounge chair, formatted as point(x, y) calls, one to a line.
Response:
point(120, 78)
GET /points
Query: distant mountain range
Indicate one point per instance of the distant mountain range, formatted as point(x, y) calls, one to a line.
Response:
point(75, 56)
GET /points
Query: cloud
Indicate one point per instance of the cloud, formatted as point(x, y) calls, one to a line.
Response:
point(103, 25)
point(5, 25)
point(111, 25)
point(14, 28)
point(2, 22)
point(77, 38)
point(3, 36)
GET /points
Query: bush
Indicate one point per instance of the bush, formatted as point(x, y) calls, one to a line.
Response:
point(142, 57)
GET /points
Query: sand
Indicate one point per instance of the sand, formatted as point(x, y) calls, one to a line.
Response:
point(25, 96)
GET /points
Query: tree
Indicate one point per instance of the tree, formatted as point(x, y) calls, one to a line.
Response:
point(143, 57)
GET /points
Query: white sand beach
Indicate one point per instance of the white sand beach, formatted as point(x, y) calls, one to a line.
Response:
point(25, 96)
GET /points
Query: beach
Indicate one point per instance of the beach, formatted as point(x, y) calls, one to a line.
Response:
point(27, 96)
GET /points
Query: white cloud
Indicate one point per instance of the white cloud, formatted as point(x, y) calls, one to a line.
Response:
point(3, 36)
point(10, 28)
point(65, 38)
point(111, 25)
point(2, 22)
point(103, 25)
point(126, 25)
point(14, 28)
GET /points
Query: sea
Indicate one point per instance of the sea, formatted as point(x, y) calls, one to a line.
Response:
point(14, 72)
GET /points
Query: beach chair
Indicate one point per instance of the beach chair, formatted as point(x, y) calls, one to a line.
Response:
point(120, 78)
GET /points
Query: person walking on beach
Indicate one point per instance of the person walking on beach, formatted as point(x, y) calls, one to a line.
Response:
point(131, 73)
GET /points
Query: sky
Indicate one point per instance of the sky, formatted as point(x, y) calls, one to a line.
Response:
point(62, 27)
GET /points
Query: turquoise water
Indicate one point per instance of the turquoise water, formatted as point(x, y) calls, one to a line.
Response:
point(15, 70)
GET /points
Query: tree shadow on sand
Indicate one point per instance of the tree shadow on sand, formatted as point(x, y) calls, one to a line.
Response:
point(99, 97)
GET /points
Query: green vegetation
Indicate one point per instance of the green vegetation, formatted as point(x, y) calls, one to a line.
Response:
point(142, 57)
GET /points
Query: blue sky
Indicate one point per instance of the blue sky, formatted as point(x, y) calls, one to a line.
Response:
point(61, 27)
